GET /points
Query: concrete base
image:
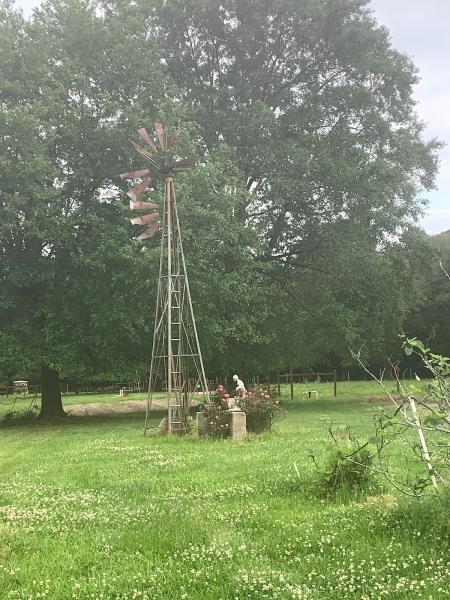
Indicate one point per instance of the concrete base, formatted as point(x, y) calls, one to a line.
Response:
point(238, 425)
point(163, 428)
point(177, 428)
point(202, 424)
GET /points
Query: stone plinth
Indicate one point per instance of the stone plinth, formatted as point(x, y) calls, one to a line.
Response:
point(202, 424)
point(163, 428)
point(238, 425)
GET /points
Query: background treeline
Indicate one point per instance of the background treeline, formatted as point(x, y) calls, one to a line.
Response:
point(298, 219)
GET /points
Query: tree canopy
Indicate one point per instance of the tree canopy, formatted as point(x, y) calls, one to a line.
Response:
point(298, 219)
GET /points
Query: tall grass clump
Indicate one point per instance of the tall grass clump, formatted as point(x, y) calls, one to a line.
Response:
point(346, 472)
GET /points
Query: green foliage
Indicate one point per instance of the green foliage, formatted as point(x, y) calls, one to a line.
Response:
point(311, 160)
point(18, 407)
point(346, 472)
point(262, 408)
point(230, 298)
point(324, 151)
point(216, 414)
point(428, 321)
point(419, 418)
point(69, 273)
point(434, 406)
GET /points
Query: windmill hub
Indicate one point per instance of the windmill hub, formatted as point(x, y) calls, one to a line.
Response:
point(166, 166)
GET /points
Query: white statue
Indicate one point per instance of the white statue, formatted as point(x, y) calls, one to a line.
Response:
point(240, 387)
point(240, 393)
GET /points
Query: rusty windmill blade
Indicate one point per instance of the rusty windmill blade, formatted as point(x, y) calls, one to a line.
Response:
point(183, 163)
point(147, 139)
point(144, 153)
point(142, 205)
point(150, 232)
point(135, 192)
point(144, 219)
point(160, 133)
point(134, 174)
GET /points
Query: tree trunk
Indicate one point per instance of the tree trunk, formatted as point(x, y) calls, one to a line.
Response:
point(51, 404)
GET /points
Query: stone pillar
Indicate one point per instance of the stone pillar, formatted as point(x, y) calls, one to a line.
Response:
point(202, 424)
point(238, 425)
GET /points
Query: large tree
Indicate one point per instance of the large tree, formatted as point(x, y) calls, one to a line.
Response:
point(311, 165)
point(317, 109)
point(77, 293)
point(71, 280)
point(315, 103)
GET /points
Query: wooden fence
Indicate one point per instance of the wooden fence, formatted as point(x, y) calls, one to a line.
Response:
point(289, 378)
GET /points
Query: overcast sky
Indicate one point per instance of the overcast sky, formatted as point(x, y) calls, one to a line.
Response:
point(420, 29)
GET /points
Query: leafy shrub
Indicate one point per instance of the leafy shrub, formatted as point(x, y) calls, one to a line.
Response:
point(216, 414)
point(420, 419)
point(261, 407)
point(346, 471)
point(23, 414)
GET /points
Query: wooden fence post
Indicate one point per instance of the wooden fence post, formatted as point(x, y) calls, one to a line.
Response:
point(292, 384)
point(278, 384)
point(335, 382)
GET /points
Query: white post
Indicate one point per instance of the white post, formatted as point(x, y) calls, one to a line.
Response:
point(422, 440)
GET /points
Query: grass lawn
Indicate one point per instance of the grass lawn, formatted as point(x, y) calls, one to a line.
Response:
point(89, 508)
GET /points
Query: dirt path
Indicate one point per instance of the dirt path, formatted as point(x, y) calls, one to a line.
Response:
point(103, 408)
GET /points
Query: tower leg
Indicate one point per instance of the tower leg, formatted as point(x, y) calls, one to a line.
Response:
point(175, 339)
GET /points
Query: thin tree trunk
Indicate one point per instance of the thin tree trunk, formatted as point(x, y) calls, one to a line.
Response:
point(51, 404)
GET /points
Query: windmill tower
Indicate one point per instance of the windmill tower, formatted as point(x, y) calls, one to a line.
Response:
point(176, 361)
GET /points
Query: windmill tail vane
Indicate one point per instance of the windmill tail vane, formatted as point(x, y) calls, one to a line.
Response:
point(176, 365)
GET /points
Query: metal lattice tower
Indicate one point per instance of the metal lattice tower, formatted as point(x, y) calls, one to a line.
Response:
point(176, 356)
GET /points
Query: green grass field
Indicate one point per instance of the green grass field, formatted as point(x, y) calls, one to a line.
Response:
point(89, 508)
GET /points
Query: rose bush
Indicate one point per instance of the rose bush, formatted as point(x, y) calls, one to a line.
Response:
point(216, 413)
point(262, 408)
point(260, 405)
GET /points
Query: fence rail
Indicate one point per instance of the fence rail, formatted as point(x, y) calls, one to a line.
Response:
point(11, 390)
point(212, 384)
point(289, 377)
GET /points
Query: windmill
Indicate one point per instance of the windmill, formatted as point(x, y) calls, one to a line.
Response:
point(176, 357)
